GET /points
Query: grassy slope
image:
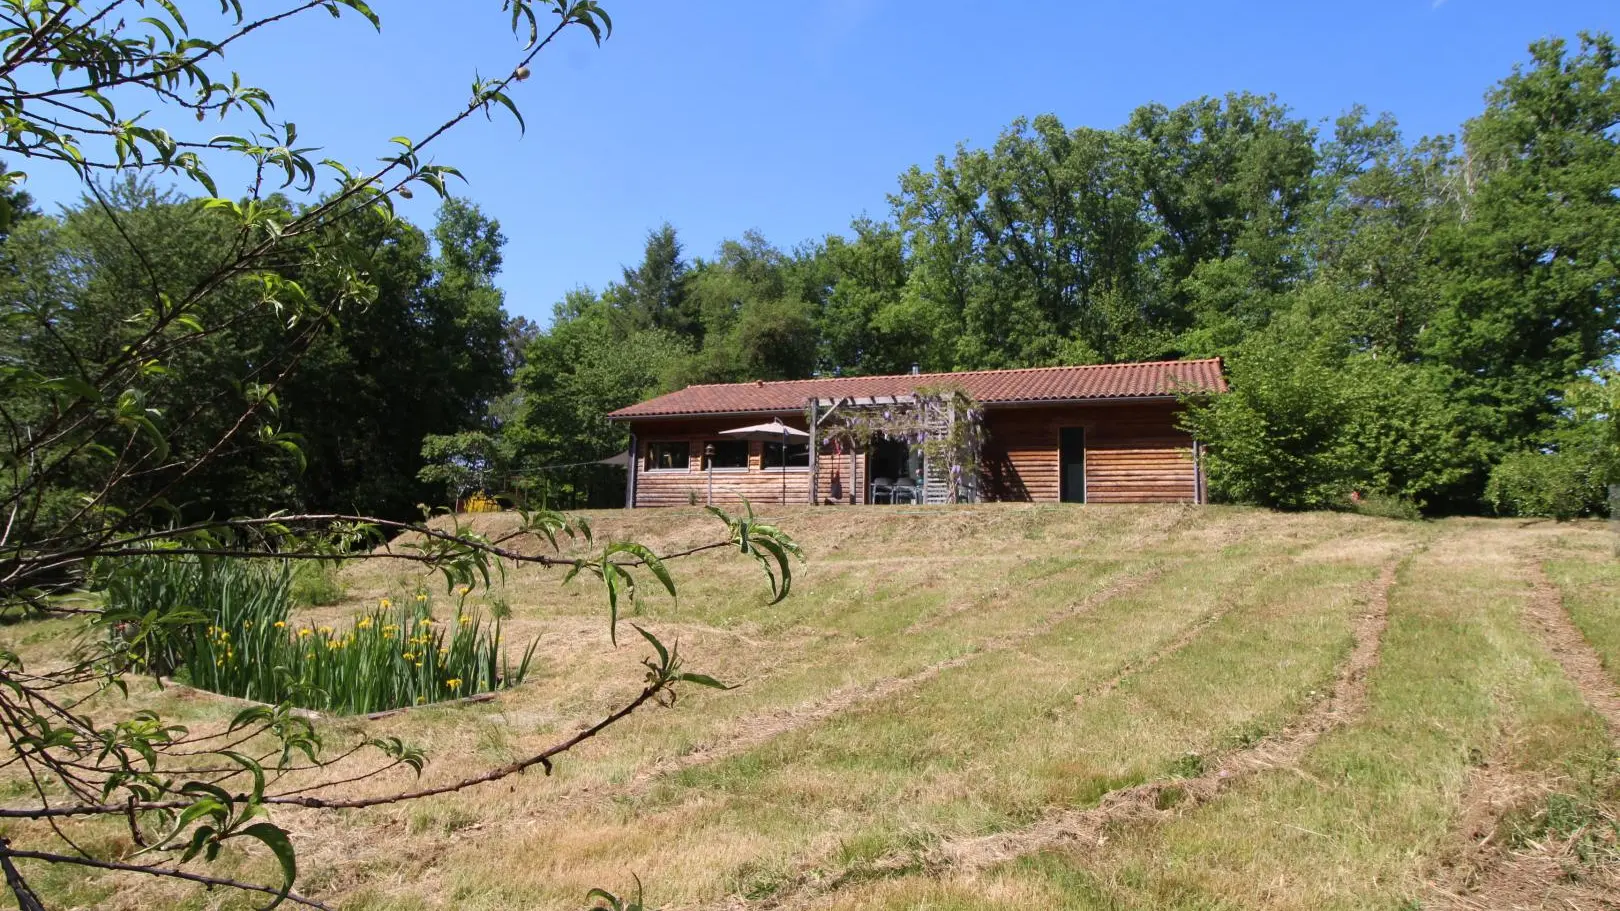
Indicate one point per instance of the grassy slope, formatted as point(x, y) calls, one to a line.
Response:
point(939, 676)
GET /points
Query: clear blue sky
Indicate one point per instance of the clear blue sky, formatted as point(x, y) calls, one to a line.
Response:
point(792, 117)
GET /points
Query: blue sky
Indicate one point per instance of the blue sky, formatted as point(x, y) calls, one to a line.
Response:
point(793, 117)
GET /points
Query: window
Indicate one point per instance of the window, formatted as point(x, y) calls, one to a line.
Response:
point(667, 456)
point(727, 454)
point(798, 455)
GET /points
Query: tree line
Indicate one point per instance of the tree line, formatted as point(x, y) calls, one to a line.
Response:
point(1399, 317)
point(1432, 322)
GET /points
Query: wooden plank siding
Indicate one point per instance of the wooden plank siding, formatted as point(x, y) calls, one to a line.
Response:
point(1134, 454)
point(666, 487)
point(834, 486)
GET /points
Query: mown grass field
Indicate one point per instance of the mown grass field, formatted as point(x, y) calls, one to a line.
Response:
point(1019, 707)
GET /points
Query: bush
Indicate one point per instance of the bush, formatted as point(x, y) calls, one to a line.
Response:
point(315, 584)
point(1386, 506)
point(227, 628)
point(1302, 429)
point(1558, 484)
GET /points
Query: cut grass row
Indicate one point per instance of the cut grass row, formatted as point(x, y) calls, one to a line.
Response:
point(759, 798)
point(988, 745)
point(1369, 815)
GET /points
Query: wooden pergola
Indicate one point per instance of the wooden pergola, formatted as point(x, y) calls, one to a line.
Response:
point(936, 487)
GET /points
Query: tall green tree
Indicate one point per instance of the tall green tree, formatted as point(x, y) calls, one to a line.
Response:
point(1531, 294)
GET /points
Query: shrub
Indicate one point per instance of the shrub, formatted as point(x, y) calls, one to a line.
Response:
point(315, 584)
point(1302, 429)
point(1386, 506)
point(229, 630)
point(1557, 484)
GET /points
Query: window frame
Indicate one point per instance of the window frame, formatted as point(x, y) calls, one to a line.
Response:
point(747, 455)
point(651, 466)
point(765, 457)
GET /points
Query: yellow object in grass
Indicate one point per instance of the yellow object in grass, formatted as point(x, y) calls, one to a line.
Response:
point(481, 502)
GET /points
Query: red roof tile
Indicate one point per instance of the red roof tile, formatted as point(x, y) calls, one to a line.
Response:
point(988, 387)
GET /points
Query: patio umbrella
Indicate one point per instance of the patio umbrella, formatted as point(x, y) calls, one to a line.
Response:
point(774, 432)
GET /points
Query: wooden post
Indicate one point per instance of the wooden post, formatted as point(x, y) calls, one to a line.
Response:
point(630, 474)
point(856, 490)
point(815, 450)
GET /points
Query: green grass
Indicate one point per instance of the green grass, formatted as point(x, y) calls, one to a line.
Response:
point(944, 675)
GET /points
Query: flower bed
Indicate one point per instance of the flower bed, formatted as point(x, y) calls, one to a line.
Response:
point(230, 630)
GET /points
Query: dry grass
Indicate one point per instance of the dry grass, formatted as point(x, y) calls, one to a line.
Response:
point(942, 677)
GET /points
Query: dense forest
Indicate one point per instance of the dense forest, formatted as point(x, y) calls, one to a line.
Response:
point(1427, 322)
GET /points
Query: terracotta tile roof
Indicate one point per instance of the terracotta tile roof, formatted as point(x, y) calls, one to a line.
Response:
point(989, 387)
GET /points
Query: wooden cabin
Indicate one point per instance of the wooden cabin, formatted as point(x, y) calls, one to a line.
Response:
point(1099, 434)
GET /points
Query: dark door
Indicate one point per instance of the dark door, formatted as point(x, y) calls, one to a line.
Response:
point(1072, 464)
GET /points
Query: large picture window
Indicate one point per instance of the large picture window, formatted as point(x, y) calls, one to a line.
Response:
point(667, 456)
point(727, 454)
point(797, 455)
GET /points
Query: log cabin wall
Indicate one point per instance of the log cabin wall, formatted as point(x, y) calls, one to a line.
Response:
point(1134, 453)
point(837, 484)
point(682, 487)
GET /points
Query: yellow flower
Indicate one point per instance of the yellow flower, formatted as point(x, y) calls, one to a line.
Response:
point(365, 623)
point(386, 603)
point(421, 596)
point(421, 700)
point(444, 650)
point(464, 619)
point(304, 632)
point(407, 655)
point(325, 631)
point(464, 590)
point(427, 621)
point(280, 623)
point(453, 683)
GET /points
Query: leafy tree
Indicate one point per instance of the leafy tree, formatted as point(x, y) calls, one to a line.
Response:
point(576, 372)
point(121, 306)
point(653, 295)
point(463, 463)
point(1530, 289)
point(423, 357)
point(758, 321)
point(1567, 476)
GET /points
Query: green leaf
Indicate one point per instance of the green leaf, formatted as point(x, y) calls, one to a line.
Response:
point(704, 680)
point(275, 838)
point(663, 653)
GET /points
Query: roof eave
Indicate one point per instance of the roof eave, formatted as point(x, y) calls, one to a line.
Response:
point(668, 415)
point(998, 403)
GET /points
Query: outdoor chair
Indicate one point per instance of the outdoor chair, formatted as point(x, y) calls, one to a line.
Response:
point(882, 491)
point(904, 491)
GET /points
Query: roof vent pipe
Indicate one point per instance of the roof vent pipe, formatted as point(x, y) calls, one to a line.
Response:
point(915, 370)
